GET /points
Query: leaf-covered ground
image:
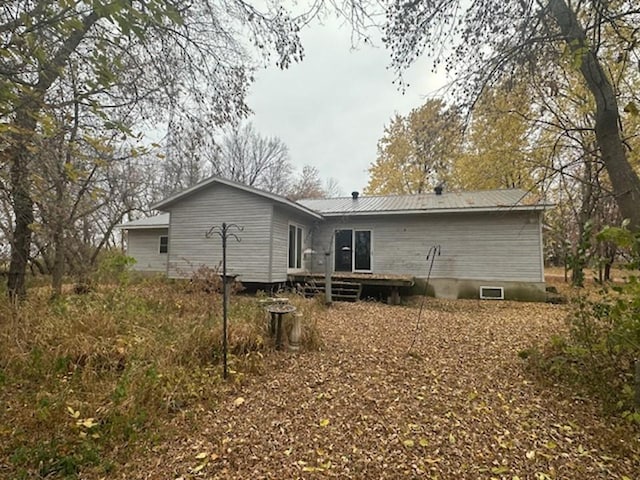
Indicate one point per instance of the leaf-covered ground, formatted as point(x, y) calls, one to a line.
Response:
point(460, 405)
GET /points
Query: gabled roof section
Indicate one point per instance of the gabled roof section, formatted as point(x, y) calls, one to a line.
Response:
point(447, 202)
point(157, 221)
point(163, 204)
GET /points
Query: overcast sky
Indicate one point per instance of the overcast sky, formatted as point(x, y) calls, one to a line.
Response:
point(331, 109)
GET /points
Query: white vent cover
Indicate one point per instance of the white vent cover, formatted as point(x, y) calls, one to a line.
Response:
point(492, 293)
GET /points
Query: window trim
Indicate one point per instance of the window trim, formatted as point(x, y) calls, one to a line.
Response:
point(353, 248)
point(298, 246)
point(160, 252)
point(353, 261)
point(335, 252)
point(487, 288)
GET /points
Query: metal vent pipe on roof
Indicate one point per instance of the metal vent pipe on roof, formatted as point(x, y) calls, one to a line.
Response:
point(355, 195)
point(439, 189)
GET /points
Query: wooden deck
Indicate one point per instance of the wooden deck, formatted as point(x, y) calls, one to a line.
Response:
point(347, 286)
point(361, 278)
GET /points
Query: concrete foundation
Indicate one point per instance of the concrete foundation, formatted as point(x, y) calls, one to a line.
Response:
point(470, 289)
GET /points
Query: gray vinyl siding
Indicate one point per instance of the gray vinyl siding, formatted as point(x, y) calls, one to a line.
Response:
point(144, 246)
point(490, 246)
point(282, 218)
point(194, 215)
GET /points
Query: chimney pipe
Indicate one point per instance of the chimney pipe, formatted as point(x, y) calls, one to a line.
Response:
point(438, 189)
point(355, 195)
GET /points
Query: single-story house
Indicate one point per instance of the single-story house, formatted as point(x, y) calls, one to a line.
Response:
point(483, 242)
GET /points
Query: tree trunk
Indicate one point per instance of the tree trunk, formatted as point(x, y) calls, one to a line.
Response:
point(57, 273)
point(57, 237)
point(582, 249)
point(19, 156)
point(625, 181)
point(607, 270)
point(21, 241)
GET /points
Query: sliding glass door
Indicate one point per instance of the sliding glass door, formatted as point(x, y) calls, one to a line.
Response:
point(352, 250)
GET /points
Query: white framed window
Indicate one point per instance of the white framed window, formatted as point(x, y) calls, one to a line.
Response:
point(164, 244)
point(491, 293)
point(295, 246)
point(362, 250)
point(353, 250)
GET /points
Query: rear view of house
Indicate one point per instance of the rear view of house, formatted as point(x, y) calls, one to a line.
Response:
point(480, 243)
point(479, 239)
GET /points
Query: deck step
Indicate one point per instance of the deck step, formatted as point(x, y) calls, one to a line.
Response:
point(340, 291)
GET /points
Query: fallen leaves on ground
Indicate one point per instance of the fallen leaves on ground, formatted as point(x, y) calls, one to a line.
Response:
point(460, 404)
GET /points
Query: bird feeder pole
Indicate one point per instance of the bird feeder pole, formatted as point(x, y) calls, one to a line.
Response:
point(223, 232)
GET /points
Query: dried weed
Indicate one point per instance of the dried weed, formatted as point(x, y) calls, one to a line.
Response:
point(459, 405)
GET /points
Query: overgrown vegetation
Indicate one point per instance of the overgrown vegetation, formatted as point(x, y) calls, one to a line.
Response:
point(86, 380)
point(602, 348)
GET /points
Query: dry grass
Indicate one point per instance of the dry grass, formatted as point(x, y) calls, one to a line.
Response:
point(136, 370)
point(85, 380)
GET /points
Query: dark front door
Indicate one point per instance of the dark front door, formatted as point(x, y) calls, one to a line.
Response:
point(343, 252)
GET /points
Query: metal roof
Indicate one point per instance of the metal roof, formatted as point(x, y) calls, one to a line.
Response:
point(157, 221)
point(485, 201)
point(163, 204)
point(447, 202)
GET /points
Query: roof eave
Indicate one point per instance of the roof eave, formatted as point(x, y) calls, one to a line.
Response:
point(517, 208)
point(300, 208)
point(163, 204)
point(124, 226)
point(181, 194)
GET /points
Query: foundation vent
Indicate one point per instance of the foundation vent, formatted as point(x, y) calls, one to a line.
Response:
point(492, 293)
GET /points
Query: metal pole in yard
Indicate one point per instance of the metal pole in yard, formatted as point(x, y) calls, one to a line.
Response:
point(224, 300)
point(223, 233)
point(328, 298)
